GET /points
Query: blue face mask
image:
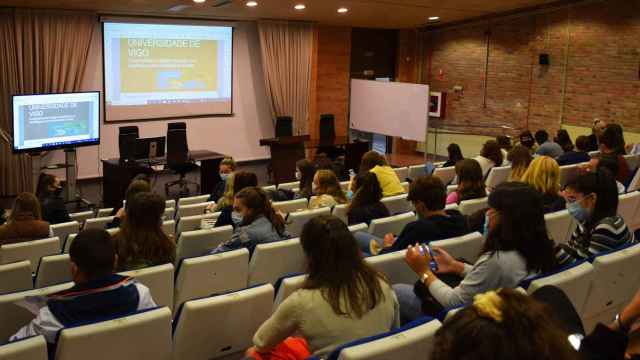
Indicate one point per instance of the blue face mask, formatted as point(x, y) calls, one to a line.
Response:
point(485, 228)
point(224, 176)
point(578, 212)
point(236, 218)
point(349, 195)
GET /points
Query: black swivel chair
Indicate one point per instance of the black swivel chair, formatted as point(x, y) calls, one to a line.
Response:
point(284, 126)
point(328, 134)
point(178, 159)
point(127, 138)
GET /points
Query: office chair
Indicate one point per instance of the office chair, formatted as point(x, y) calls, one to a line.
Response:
point(327, 134)
point(127, 138)
point(284, 126)
point(178, 158)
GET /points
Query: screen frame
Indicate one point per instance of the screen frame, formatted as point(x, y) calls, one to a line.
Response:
point(157, 20)
point(55, 147)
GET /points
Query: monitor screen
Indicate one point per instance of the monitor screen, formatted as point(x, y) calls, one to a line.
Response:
point(55, 121)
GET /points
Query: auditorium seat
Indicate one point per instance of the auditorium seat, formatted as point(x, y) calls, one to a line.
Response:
point(159, 280)
point(15, 276)
point(193, 200)
point(169, 214)
point(169, 227)
point(169, 204)
point(358, 227)
point(405, 185)
point(29, 250)
point(67, 243)
point(446, 174)
point(451, 188)
point(285, 286)
point(416, 171)
point(269, 188)
point(634, 185)
point(143, 335)
point(391, 225)
point(198, 242)
point(190, 223)
point(288, 186)
point(221, 325)
point(628, 205)
point(560, 226)
point(53, 270)
point(633, 161)
point(63, 230)
point(263, 268)
point(415, 340)
point(81, 217)
point(394, 267)
point(193, 209)
point(13, 316)
point(31, 348)
point(467, 247)
point(290, 206)
point(402, 172)
point(497, 176)
point(568, 173)
point(397, 204)
point(468, 207)
point(104, 212)
point(211, 274)
point(98, 223)
point(296, 220)
point(340, 211)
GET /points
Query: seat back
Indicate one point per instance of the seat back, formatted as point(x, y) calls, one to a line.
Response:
point(287, 285)
point(104, 212)
point(340, 211)
point(467, 247)
point(61, 231)
point(169, 213)
point(13, 316)
point(29, 250)
point(358, 227)
point(468, 207)
point(32, 348)
point(211, 274)
point(560, 226)
point(190, 223)
point(193, 200)
point(575, 281)
point(397, 204)
point(633, 161)
point(446, 174)
point(169, 227)
point(290, 259)
point(197, 242)
point(628, 205)
point(237, 316)
point(634, 185)
point(568, 173)
point(52, 270)
point(177, 147)
point(391, 225)
point(413, 341)
point(15, 277)
point(98, 223)
point(193, 209)
point(394, 267)
point(159, 280)
point(497, 175)
point(402, 173)
point(290, 206)
point(288, 186)
point(144, 335)
point(415, 171)
point(81, 217)
point(406, 186)
point(171, 203)
point(297, 220)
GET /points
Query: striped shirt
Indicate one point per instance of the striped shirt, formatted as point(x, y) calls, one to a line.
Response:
point(608, 234)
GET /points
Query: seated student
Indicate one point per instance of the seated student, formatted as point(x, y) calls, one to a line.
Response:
point(226, 168)
point(241, 180)
point(98, 293)
point(543, 175)
point(611, 143)
point(342, 299)
point(25, 221)
point(428, 195)
point(49, 192)
point(505, 146)
point(526, 140)
point(136, 187)
point(592, 199)
point(305, 171)
point(516, 246)
point(596, 131)
point(470, 182)
point(578, 156)
point(388, 179)
point(141, 242)
point(520, 158)
point(563, 139)
point(546, 146)
point(327, 189)
point(455, 155)
point(610, 163)
point(365, 205)
point(490, 156)
point(258, 223)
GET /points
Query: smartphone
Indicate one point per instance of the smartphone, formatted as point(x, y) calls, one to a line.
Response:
point(433, 264)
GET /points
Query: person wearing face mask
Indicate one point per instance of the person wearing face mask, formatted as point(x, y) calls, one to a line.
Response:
point(592, 199)
point(227, 167)
point(366, 205)
point(327, 189)
point(305, 170)
point(258, 222)
point(516, 246)
point(49, 192)
point(241, 180)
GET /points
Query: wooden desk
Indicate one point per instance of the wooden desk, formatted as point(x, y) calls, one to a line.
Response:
point(116, 176)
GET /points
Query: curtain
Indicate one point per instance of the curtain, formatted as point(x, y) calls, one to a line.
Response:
point(286, 61)
point(43, 51)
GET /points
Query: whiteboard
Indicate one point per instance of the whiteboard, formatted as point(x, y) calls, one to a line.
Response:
point(390, 108)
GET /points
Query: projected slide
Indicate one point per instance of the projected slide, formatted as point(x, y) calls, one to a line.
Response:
point(160, 71)
point(43, 122)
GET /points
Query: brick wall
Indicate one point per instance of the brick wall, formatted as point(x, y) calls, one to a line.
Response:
point(594, 73)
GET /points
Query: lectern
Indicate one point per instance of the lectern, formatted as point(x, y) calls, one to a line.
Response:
point(285, 152)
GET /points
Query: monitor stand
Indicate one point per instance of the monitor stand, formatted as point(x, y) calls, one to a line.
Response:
point(70, 165)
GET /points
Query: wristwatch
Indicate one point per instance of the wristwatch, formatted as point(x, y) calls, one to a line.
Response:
point(619, 324)
point(424, 277)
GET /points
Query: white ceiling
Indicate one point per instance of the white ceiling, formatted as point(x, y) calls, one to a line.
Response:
point(362, 13)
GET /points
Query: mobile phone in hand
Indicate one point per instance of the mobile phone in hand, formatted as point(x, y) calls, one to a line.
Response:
point(432, 263)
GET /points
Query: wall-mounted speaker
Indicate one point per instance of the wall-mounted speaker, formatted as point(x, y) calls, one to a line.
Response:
point(544, 59)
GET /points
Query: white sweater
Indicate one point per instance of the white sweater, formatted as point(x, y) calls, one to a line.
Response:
point(307, 314)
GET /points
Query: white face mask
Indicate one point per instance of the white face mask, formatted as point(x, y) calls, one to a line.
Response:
point(236, 218)
point(298, 175)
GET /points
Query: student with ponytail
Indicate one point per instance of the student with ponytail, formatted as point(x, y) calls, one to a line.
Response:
point(258, 223)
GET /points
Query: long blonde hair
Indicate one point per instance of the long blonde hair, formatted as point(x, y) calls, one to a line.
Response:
point(227, 197)
point(543, 175)
point(328, 184)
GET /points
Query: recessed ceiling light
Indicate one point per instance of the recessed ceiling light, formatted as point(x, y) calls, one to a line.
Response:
point(199, 1)
point(434, 18)
point(300, 7)
point(343, 10)
point(252, 3)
